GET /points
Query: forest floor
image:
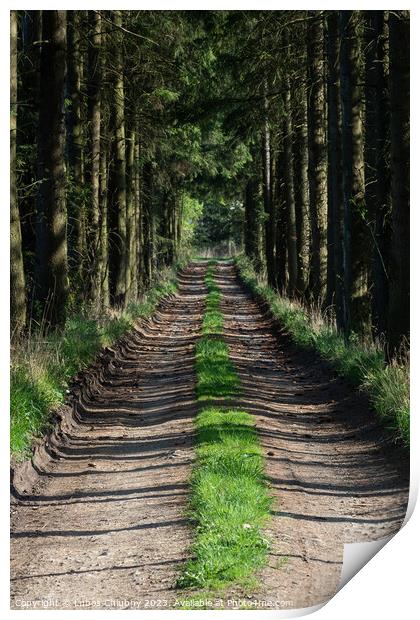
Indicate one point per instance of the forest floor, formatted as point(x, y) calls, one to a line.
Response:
point(106, 523)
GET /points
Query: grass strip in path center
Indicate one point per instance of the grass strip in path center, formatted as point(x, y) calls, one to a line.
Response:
point(229, 499)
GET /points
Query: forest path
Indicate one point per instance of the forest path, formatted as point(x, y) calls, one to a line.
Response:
point(106, 524)
point(335, 475)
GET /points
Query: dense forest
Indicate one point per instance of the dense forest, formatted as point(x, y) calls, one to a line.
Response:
point(137, 134)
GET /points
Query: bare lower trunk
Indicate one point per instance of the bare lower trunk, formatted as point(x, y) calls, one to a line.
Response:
point(335, 290)
point(317, 157)
point(120, 172)
point(17, 275)
point(95, 79)
point(357, 240)
point(399, 67)
point(290, 195)
point(301, 187)
point(52, 279)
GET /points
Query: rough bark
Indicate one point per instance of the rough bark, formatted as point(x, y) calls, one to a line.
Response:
point(357, 238)
point(281, 221)
point(52, 281)
point(131, 274)
point(17, 275)
point(301, 187)
point(148, 224)
point(317, 157)
point(335, 290)
point(399, 68)
point(377, 178)
point(75, 148)
point(94, 94)
point(290, 194)
point(268, 201)
point(103, 202)
point(120, 169)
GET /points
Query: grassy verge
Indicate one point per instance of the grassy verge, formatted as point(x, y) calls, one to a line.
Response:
point(363, 363)
point(229, 498)
point(43, 365)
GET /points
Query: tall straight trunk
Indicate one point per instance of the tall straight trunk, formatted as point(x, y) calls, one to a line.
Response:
point(399, 78)
point(138, 216)
point(268, 202)
point(103, 202)
point(317, 157)
point(147, 194)
point(75, 148)
point(251, 235)
point(335, 290)
point(52, 278)
point(17, 275)
point(94, 93)
point(290, 194)
point(301, 187)
point(376, 155)
point(281, 221)
point(131, 279)
point(29, 53)
point(357, 239)
point(120, 168)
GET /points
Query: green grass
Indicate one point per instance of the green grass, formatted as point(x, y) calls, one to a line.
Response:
point(360, 361)
point(229, 495)
point(43, 365)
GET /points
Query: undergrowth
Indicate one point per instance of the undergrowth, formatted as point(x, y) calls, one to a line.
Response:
point(229, 496)
point(361, 362)
point(42, 365)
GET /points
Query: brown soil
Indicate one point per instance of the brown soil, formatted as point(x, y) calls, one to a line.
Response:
point(105, 526)
point(335, 475)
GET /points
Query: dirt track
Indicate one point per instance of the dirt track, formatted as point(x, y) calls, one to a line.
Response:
point(106, 520)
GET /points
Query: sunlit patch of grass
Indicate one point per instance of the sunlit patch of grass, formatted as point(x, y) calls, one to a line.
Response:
point(44, 364)
point(360, 361)
point(229, 497)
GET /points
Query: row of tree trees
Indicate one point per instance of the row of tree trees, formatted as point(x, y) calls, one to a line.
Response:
point(99, 164)
point(327, 196)
point(296, 122)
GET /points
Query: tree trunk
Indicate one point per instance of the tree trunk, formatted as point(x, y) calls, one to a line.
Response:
point(17, 275)
point(335, 280)
point(268, 202)
point(290, 194)
point(51, 204)
point(301, 187)
point(281, 222)
point(399, 74)
point(103, 201)
point(75, 149)
point(357, 241)
point(131, 279)
point(139, 218)
point(376, 155)
point(147, 224)
point(120, 169)
point(94, 93)
point(252, 248)
point(317, 157)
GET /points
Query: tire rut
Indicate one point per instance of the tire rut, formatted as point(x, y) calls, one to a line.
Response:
point(335, 475)
point(105, 523)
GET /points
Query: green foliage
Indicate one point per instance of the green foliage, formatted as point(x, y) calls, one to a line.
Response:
point(229, 494)
point(41, 371)
point(362, 363)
